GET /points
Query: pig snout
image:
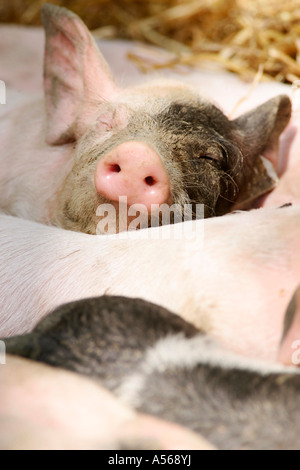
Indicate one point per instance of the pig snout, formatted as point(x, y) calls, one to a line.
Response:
point(135, 170)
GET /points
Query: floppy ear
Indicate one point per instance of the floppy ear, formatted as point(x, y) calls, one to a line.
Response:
point(76, 75)
point(259, 131)
point(260, 128)
point(289, 349)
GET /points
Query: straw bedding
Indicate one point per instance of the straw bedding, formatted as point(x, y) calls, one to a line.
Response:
point(243, 36)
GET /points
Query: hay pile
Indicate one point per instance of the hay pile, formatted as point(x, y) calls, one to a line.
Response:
point(243, 36)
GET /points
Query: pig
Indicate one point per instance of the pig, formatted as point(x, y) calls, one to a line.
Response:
point(89, 143)
point(162, 365)
point(231, 276)
point(74, 412)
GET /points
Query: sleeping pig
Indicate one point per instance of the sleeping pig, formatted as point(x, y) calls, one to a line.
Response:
point(90, 143)
point(168, 368)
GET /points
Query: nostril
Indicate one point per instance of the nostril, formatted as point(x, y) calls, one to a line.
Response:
point(150, 181)
point(115, 168)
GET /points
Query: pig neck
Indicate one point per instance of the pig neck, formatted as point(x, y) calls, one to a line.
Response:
point(31, 172)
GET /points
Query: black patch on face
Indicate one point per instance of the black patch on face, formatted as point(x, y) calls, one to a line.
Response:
point(183, 117)
point(200, 140)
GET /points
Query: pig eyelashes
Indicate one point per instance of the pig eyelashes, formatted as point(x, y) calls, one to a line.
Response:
point(221, 155)
point(211, 158)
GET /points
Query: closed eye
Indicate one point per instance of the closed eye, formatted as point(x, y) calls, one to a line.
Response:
point(211, 157)
point(220, 156)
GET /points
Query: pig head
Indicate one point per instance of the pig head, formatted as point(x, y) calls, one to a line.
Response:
point(155, 144)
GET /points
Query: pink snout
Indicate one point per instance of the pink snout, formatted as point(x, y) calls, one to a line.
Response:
point(133, 169)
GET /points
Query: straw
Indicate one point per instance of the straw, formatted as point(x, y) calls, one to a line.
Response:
point(242, 36)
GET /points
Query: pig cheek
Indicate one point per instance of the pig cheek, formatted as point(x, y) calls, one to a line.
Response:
point(78, 202)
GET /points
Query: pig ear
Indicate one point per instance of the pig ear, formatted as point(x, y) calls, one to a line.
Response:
point(76, 76)
point(289, 350)
point(261, 128)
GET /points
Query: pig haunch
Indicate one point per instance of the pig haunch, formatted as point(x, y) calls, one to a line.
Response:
point(156, 143)
point(168, 368)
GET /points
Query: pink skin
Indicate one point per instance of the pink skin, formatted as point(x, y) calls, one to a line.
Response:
point(288, 188)
point(209, 84)
point(272, 290)
point(238, 294)
point(46, 408)
point(21, 51)
point(134, 170)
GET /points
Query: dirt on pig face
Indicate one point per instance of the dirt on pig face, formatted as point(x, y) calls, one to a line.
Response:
point(200, 149)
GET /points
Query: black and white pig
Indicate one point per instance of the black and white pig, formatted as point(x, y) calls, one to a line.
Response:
point(161, 365)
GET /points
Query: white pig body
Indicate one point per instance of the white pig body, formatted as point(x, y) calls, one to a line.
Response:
point(235, 285)
point(38, 170)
